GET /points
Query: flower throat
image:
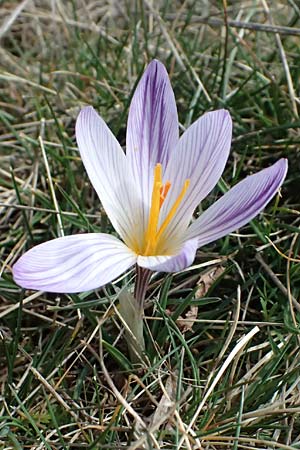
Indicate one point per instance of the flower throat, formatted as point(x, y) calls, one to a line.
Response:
point(159, 194)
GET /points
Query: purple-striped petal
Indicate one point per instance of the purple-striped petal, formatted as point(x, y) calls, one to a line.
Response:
point(239, 205)
point(152, 129)
point(75, 263)
point(109, 172)
point(171, 263)
point(201, 155)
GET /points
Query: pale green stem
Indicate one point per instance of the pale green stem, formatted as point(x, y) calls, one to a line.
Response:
point(132, 311)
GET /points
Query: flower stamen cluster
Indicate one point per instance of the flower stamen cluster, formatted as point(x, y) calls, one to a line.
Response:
point(159, 194)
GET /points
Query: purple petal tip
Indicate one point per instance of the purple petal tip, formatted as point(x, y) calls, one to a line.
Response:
point(154, 67)
point(280, 168)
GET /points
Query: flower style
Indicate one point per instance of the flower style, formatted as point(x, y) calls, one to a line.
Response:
point(149, 194)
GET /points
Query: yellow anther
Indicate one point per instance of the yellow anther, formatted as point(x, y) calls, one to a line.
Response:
point(155, 208)
point(159, 193)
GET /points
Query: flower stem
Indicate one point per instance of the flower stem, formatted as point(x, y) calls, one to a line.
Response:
point(141, 285)
point(132, 311)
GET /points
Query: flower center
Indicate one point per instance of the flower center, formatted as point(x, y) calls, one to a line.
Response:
point(159, 194)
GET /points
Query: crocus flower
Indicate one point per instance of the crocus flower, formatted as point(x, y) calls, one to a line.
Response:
point(149, 194)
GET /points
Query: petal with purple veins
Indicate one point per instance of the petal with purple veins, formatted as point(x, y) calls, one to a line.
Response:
point(239, 205)
point(152, 129)
point(201, 155)
point(109, 172)
point(75, 263)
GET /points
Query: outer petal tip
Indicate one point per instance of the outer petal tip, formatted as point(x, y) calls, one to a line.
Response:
point(283, 162)
point(223, 115)
point(155, 65)
point(84, 114)
point(86, 109)
point(278, 171)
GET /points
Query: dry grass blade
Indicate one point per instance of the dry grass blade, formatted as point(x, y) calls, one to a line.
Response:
point(254, 26)
point(239, 346)
point(51, 186)
point(284, 63)
point(12, 17)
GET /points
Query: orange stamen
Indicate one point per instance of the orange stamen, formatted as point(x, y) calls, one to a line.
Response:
point(173, 209)
point(164, 191)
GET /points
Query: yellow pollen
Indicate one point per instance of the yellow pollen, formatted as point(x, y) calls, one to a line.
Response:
point(159, 193)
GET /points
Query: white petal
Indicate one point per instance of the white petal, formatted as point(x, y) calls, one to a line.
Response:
point(109, 172)
point(200, 156)
point(73, 263)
